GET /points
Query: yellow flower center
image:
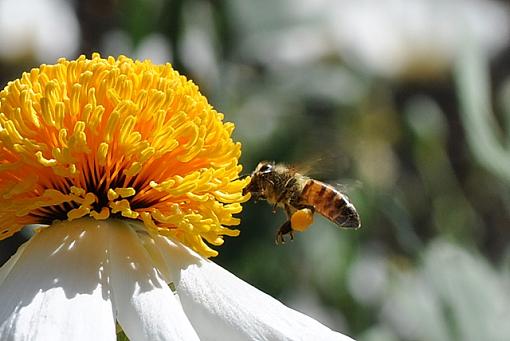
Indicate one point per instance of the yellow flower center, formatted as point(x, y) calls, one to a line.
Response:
point(117, 138)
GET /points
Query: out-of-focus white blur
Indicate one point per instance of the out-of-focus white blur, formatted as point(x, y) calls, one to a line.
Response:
point(40, 30)
point(391, 38)
point(154, 46)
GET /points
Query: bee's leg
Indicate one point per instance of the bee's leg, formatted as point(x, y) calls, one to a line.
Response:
point(287, 210)
point(285, 229)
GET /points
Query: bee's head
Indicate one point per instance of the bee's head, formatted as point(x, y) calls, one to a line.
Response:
point(264, 167)
point(262, 172)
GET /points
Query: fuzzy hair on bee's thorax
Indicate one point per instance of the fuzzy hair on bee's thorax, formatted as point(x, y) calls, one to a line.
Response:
point(277, 183)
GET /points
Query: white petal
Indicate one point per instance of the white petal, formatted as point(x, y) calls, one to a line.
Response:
point(55, 289)
point(146, 307)
point(223, 307)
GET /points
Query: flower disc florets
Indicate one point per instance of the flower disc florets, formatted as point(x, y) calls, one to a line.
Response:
point(116, 137)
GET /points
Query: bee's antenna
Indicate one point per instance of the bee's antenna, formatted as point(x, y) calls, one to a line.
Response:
point(242, 176)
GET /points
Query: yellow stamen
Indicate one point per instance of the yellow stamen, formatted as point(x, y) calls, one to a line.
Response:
point(117, 138)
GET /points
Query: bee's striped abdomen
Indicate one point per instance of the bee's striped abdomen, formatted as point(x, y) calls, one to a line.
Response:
point(331, 203)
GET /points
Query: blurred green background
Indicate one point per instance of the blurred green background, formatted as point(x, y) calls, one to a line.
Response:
point(405, 103)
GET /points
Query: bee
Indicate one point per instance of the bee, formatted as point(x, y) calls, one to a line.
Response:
point(300, 196)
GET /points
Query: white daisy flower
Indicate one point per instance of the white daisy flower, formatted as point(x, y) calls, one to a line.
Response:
point(135, 176)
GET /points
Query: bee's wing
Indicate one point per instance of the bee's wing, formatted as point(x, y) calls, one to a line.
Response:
point(322, 166)
point(347, 186)
point(308, 167)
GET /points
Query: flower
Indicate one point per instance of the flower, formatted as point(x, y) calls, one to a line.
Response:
point(134, 177)
point(110, 137)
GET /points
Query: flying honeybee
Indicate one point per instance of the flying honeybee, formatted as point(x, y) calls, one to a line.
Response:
point(300, 196)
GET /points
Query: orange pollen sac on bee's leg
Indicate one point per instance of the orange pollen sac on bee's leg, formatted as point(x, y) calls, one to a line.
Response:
point(301, 220)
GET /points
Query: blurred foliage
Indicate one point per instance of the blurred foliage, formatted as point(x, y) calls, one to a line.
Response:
point(425, 160)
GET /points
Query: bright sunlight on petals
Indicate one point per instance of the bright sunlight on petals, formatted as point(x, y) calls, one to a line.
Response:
point(59, 269)
point(217, 302)
point(89, 274)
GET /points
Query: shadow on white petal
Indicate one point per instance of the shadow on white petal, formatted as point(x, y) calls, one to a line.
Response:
point(56, 289)
point(223, 307)
point(145, 306)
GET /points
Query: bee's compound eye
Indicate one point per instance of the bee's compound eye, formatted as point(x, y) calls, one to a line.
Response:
point(266, 168)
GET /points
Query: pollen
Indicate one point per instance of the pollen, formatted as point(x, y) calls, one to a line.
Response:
point(301, 219)
point(117, 138)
